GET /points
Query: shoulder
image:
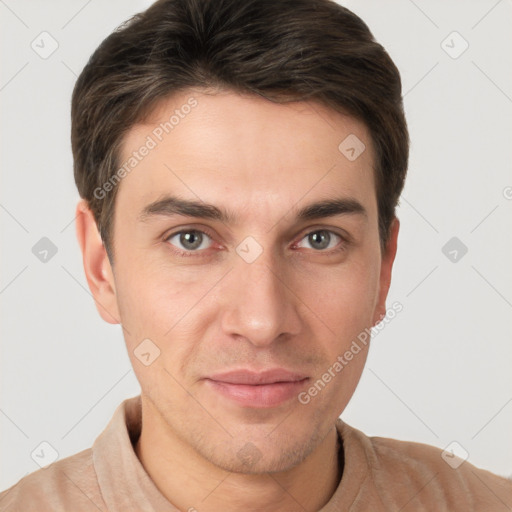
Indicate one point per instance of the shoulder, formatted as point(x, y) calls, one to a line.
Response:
point(427, 473)
point(68, 484)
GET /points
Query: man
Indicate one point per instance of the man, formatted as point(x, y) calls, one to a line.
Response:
point(239, 164)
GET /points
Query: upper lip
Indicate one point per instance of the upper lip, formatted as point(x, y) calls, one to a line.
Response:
point(252, 377)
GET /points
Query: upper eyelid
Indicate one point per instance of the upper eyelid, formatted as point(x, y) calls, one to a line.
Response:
point(301, 236)
point(307, 233)
point(187, 230)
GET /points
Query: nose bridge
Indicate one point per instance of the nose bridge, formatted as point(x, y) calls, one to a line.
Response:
point(260, 307)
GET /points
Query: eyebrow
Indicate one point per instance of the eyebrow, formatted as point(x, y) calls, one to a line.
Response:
point(171, 206)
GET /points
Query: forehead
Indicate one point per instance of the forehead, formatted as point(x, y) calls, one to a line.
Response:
point(247, 150)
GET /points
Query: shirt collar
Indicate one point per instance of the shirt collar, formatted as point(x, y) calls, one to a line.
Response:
point(125, 485)
point(123, 481)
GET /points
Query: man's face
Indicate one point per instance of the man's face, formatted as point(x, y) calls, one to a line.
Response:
point(226, 299)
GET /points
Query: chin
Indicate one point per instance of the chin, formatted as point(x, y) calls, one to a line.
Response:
point(250, 460)
point(257, 455)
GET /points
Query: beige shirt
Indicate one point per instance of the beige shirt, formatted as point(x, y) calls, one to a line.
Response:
point(379, 474)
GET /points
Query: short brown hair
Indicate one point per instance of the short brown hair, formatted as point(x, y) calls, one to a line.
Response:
point(283, 50)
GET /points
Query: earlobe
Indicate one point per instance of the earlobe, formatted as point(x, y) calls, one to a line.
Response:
point(98, 270)
point(388, 257)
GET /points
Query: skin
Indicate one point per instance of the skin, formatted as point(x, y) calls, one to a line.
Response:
point(297, 306)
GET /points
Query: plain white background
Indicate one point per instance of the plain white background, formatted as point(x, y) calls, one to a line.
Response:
point(439, 372)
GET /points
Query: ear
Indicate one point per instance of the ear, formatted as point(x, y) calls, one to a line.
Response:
point(388, 257)
point(98, 270)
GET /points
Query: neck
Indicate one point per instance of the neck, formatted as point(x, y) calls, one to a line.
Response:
point(191, 482)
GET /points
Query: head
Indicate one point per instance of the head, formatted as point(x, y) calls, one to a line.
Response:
point(239, 165)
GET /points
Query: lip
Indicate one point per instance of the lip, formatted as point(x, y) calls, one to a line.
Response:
point(266, 389)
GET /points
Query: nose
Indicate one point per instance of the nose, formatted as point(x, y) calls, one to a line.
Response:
point(260, 305)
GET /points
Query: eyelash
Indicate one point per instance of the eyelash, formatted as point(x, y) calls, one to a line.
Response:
point(340, 247)
point(181, 252)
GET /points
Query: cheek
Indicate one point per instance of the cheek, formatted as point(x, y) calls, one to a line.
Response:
point(343, 296)
point(166, 305)
point(344, 302)
point(156, 312)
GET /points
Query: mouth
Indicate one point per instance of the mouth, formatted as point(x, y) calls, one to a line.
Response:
point(267, 389)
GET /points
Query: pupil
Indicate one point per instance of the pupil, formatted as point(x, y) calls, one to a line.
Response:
point(320, 239)
point(191, 239)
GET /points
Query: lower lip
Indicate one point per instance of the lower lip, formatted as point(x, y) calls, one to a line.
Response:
point(261, 396)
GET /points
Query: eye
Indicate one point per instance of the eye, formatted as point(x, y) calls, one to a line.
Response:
point(321, 239)
point(190, 240)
